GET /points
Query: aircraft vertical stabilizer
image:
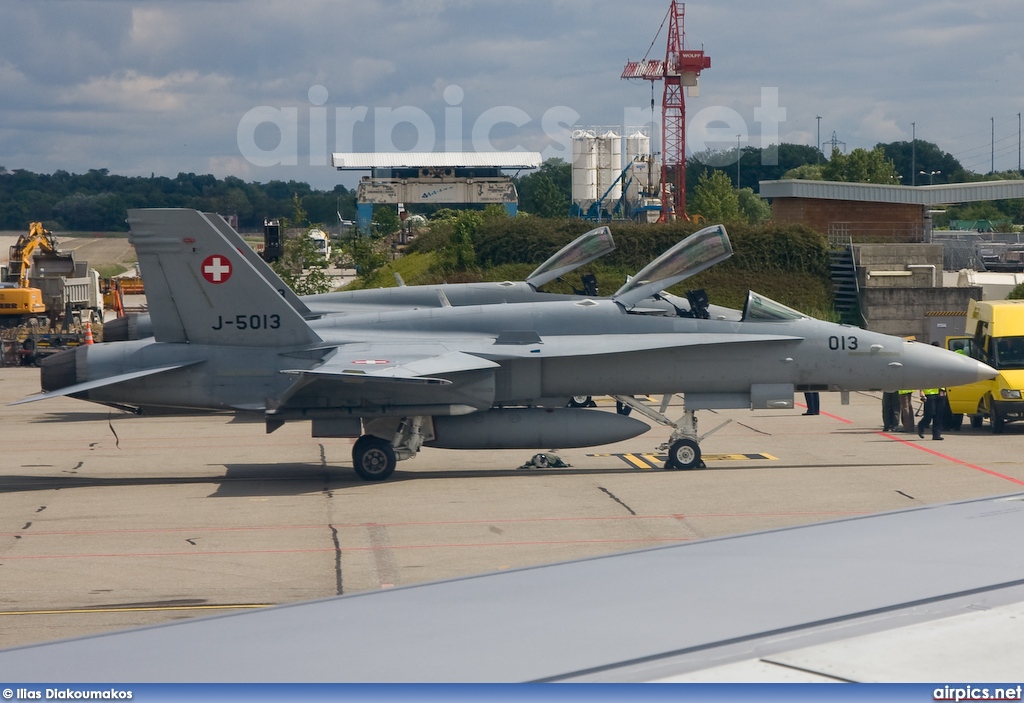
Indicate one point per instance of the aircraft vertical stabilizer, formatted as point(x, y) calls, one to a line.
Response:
point(201, 289)
point(235, 239)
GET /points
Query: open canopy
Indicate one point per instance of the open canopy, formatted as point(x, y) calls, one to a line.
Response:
point(582, 250)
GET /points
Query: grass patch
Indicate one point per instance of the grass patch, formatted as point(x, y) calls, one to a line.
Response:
point(110, 270)
point(414, 268)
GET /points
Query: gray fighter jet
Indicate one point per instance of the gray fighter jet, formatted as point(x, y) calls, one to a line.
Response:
point(584, 249)
point(471, 377)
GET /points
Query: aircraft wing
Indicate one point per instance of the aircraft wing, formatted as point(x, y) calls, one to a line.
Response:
point(929, 593)
point(101, 382)
point(380, 363)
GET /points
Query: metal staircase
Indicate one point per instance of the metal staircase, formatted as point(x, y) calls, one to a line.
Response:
point(846, 292)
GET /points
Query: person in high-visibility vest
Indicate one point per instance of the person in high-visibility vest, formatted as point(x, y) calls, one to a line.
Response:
point(932, 398)
point(907, 410)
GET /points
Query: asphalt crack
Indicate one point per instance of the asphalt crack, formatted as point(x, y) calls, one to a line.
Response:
point(616, 499)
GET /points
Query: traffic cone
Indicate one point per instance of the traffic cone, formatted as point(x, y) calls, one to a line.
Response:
point(88, 333)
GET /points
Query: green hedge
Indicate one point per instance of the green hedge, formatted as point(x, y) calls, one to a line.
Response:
point(789, 263)
point(766, 248)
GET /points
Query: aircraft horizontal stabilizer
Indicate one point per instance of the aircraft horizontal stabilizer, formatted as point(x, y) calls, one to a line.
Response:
point(102, 382)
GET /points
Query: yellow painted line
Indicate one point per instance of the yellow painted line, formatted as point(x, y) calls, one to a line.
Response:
point(738, 457)
point(655, 461)
point(635, 461)
point(83, 611)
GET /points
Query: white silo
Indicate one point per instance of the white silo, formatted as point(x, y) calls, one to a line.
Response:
point(584, 168)
point(638, 157)
point(609, 166)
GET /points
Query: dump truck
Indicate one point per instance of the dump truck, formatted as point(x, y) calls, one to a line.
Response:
point(40, 282)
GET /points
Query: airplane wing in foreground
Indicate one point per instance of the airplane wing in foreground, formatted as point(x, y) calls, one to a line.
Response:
point(923, 594)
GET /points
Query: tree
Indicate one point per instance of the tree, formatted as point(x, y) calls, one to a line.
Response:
point(385, 221)
point(923, 156)
point(807, 172)
point(756, 165)
point(715, 199)
point(365, 254)
point(752, 207)
point(494, 211)
point(548, 191)
point(548, 201)
point(861, 166)
point(302, 266)
point(458, 253)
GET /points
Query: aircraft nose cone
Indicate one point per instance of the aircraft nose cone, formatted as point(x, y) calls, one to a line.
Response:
point(926, 366)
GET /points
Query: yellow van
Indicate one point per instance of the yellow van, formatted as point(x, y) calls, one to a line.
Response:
point(995, 335)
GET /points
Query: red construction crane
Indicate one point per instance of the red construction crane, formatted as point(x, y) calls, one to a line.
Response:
point(679, 69)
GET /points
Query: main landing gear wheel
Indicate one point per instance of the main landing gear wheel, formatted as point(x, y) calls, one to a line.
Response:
point(373, 458)
point(684, 454)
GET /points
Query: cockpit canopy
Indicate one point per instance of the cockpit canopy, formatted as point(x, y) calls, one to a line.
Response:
point(697, 252)
point(582, 250)
point(758, 308)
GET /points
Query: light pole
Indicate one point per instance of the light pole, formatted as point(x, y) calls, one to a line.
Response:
point(738, 159)
point(913, 154)
point(931, 176)
point(819, 137)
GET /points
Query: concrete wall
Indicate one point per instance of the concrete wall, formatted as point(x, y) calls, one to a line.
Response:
point(901, 311)
point(871, 221)
point(898, 265)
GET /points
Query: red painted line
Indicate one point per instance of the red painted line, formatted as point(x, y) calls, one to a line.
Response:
point(821, 412)
point(947, 457)
point(836, 417)
point(344, 549)
point(952, 459)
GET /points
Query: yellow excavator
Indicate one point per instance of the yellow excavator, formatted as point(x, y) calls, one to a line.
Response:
point(19, 301)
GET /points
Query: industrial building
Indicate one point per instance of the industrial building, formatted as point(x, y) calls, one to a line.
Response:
point(465, 178)
point(887, 263)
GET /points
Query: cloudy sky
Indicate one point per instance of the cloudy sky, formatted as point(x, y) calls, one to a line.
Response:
point(244, 88)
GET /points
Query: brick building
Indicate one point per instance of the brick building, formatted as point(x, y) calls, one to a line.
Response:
point(866, 212)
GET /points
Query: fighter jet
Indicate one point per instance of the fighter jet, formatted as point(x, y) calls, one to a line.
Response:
point(471, 377)
point(584, 249)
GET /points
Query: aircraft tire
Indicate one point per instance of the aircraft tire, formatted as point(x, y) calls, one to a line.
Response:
point(580, 401)
point(977, 421)
point(373, 458)
point(684, 454)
